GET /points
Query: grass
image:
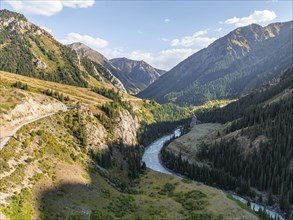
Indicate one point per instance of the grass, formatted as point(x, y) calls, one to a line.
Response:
point(19, 206)
point(187, 144)
point(219, 103)
point(83, 95)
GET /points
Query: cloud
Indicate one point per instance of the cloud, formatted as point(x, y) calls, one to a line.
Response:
point(255, 17)
point(78, 3)
point(197, 39)
point(166, 20)
point(167, 59)
point(164, 59)
point(47, 29)
point(95, 43)
point(165, 39)
point(46, 7)
point(219, 29)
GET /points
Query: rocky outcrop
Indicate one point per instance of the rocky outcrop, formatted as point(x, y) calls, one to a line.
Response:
point(32, 106)
point(126, 127)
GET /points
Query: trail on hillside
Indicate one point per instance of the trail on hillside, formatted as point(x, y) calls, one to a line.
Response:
point(11, 134)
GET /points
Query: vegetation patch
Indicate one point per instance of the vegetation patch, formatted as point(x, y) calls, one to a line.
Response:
point(19, 206)
point(122, 205)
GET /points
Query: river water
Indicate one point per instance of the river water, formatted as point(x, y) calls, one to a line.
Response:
point(151, 157)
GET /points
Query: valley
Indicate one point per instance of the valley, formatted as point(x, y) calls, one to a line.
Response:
point(89, 131)
point(56, 171)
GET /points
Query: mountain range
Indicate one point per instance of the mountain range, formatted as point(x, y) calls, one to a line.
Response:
point(134, 75)
point(75, 151)
point(29, 50)
point(229, 68)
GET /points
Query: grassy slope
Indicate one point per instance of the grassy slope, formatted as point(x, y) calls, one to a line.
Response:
point(187, 144)
point(48, 173)
point(83, 95)
point(60, 186)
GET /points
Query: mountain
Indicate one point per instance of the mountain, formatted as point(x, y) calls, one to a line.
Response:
point(103, 67)
point(141, 73)
point(230, 67)
point(134, 75)
point(28, 50)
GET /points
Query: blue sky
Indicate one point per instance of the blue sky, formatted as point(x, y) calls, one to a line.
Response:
point(163, 33)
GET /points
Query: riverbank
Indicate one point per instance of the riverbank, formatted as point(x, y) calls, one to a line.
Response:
point(217, 200)
point(151, 157)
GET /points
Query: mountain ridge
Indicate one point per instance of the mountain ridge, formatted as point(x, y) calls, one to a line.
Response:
point(134, 75)
point(141, 73)
point(228, 67)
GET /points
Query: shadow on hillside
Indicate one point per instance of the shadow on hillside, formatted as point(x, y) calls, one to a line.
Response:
point(90, 201)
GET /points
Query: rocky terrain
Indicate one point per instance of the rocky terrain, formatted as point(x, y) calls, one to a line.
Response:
point(18, 107)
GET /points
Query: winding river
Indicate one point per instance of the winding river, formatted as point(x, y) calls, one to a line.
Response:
point(151, 158)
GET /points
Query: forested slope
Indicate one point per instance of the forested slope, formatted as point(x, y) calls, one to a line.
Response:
point(254, 150)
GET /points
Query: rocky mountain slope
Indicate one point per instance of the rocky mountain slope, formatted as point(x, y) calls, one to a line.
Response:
point(18, 107)
point(141, 73)
point(102, 66)
point(134, 75)
point(228, 68)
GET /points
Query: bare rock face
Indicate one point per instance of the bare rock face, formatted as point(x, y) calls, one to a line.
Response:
point(96, 133)
point(41, 65)
point(32, 106)
point(126, 128)
point(16, 25)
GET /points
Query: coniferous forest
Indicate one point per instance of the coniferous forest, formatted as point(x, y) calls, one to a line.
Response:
point(267, 166)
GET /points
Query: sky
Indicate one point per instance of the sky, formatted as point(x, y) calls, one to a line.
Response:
point(162, 33)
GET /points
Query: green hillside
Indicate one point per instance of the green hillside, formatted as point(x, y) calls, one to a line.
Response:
point(28, 50)
point(252, 153)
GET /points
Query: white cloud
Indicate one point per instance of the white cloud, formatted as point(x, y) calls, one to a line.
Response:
point(255, 17)
point(166, 20)
point(197, 39)
point(140, 55)
point(219, 29)
point(165, 59)
point(95, 43)
point(78, 3)
point(47, 29)
point(47, 7)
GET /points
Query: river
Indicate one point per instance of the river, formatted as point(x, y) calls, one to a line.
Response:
point(151, 157)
